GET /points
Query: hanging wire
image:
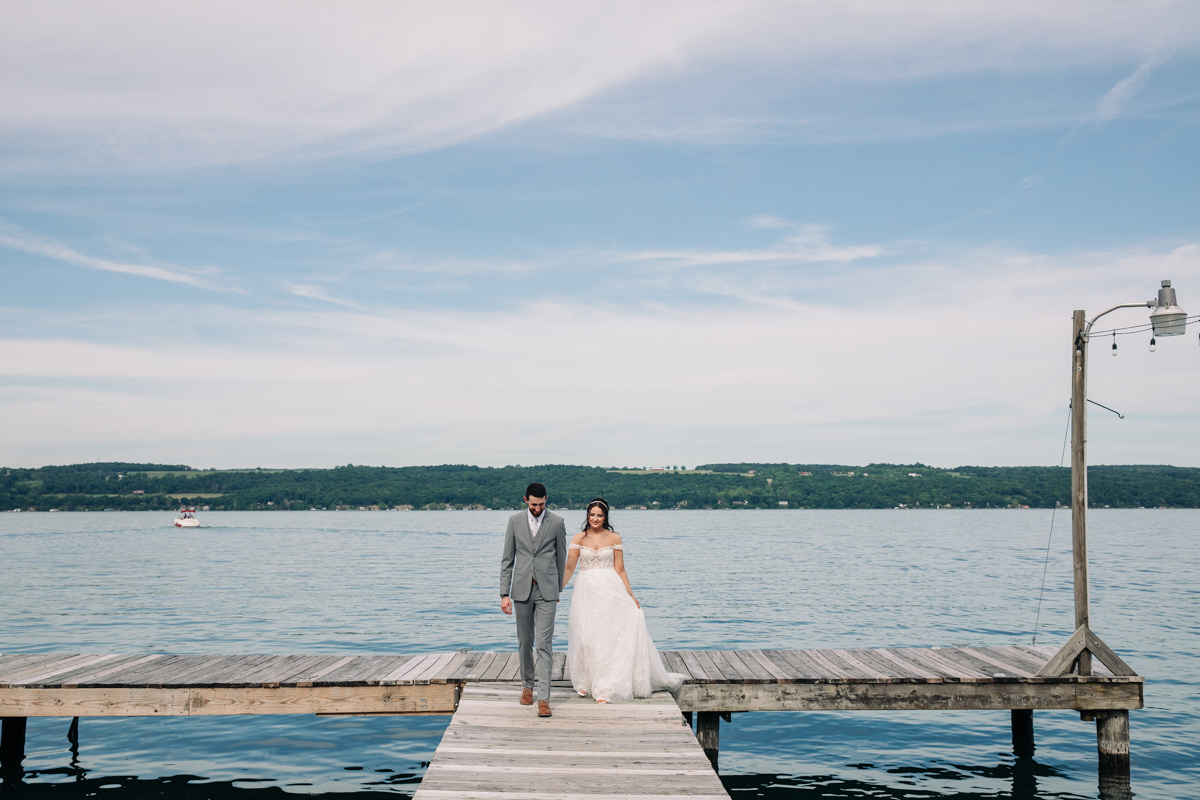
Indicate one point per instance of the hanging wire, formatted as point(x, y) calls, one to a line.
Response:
point(1046, 563)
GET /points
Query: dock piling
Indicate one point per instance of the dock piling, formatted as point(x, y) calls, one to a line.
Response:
point(708, 733)
point(12, 741)
point(1022, 732)
point(1112, 742)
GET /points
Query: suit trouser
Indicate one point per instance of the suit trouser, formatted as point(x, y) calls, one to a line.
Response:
point(535, 628)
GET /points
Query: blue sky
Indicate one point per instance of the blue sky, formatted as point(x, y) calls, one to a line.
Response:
point(615, 234)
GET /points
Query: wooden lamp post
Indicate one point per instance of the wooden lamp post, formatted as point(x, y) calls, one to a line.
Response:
point(1112, 727)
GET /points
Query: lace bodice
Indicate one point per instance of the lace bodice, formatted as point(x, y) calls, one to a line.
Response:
point(595, 559)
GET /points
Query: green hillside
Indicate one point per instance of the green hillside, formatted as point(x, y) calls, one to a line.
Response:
point(125, 486)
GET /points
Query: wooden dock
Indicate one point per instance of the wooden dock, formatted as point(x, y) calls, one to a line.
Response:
point(496, 749)
point(719, 682)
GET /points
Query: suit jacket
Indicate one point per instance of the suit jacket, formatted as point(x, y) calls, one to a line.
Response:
point(525, 558)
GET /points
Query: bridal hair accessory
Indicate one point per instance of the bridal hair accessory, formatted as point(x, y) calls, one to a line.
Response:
point(598, 502)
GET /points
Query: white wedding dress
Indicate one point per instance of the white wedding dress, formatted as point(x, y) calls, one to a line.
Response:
point(609, 651)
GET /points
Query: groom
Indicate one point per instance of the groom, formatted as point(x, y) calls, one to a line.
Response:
point(531, 568)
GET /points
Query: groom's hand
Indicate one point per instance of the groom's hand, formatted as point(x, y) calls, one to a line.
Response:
point(506, 605)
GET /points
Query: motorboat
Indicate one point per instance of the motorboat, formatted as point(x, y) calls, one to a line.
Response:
point(187, 519)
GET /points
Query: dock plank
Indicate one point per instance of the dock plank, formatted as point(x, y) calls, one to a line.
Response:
point(63, 671)
point(42, 668)
point(365, 668)
point(13, 664)
point(898, 656)
point(326, 669)
point(674, 662)
point(430, 672)
point(91, 675)
point(751, 670)
point(512, 669)
point(156, 672)
point(861, 663)
point(960, 672)
point(829, 661)
point(920, 656)
point(144, 674)
point(303, 668)
point(187, 669)
point(897, 670)
point(497, 749)
point(1003, 665)
point(727, 670)
point(495, 668)
point(697, 670)
point(770, 666)
point(404, 671)
point(468, 667)
point(970, 660)
point(807, 666)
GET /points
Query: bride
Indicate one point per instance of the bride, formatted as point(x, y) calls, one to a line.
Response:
point(609, 650)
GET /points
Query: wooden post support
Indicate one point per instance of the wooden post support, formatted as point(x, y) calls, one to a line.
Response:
point(1022, 732)
point(1079, 493)
point(708, 733)
point(1112, 741)
point(12, 741)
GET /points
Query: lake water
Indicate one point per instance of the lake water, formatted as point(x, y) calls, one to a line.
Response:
point(425, 581)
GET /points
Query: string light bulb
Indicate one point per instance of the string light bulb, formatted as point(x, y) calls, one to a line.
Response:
point(1114, 344)
point(1152, 344)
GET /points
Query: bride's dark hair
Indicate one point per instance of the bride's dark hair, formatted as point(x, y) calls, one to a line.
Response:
point(598, 502)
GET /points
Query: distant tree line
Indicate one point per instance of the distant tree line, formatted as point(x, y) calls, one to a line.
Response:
point(131, 486)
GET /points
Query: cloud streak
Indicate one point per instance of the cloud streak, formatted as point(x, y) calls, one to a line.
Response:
point(809, 245)
point(149, 85)
point(204, 278)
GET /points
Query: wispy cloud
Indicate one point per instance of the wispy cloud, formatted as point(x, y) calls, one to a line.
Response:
point(1116, 100)
point(314, 291)
point(161, 86)
point(202, 278)
point(1118, 97)
point(810, 244)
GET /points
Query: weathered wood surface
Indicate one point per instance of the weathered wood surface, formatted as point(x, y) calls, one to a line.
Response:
point(58, 684)
point(496, 749)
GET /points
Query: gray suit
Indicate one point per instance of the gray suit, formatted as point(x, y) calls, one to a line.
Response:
point(531, 571)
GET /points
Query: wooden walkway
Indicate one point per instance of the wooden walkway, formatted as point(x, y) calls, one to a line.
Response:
point(496, 749)
point(78, 685)
point(490, 728)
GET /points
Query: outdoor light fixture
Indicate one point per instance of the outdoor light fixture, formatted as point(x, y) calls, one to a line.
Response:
point(1167, 319)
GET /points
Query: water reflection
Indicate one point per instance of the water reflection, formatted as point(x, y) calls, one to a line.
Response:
point(189, 787)
point(1020, 776)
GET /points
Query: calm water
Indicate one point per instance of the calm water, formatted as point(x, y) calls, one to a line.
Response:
point(411, 582)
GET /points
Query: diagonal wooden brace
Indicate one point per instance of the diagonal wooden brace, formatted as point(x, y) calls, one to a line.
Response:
point(1083, 639)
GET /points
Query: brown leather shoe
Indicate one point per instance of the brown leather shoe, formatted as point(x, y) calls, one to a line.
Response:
point(544, 708)
point(527, 697)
